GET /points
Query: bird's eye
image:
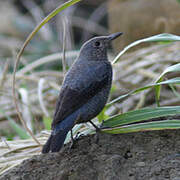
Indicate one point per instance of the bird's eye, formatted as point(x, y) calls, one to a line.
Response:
point(97, 43)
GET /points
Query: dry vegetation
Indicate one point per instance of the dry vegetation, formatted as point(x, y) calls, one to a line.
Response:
point(38, 80)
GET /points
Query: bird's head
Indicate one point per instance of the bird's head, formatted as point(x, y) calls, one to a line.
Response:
point(96, 48)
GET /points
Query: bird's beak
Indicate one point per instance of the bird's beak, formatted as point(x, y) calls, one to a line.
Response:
point(114, 36)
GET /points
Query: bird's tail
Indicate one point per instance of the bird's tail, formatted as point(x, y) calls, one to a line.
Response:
point(58, 135)
point(55, 142)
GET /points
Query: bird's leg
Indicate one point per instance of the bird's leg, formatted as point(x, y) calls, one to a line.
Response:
point(97, 131)
point(97, 128)
point(73, 140)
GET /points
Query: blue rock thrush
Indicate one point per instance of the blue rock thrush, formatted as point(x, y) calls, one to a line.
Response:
point(84, 91)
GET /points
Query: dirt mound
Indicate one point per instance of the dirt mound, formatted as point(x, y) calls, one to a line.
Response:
point(140, 156)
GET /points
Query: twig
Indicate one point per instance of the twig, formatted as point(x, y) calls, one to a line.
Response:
point(46, 59)
point(4, 140)
point(36, 79)
point(40, 97)
point(15, 99)
point(4, 73)
point(64, 47)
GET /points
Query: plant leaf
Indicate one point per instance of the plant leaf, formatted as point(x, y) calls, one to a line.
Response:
point(148, 126)
point(141, 115)
point(18, 129)
point(174, 90)
point(102, 116)
point(157, 38)
point(174, 68)
point(47, 122)
point(170, 81)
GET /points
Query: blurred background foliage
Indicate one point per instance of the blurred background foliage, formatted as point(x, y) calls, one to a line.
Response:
point(40, 72)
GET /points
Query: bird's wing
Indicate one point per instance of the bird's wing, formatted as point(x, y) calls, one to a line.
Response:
point(88, 81)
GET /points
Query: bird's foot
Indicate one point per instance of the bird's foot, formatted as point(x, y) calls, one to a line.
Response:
point(74, 139)
point(97, 137)
point(98, 131)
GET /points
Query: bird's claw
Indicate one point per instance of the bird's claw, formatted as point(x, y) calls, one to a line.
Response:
point(75, 139)
point(98, 130)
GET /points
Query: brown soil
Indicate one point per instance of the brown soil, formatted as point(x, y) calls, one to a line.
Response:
point(136, 156)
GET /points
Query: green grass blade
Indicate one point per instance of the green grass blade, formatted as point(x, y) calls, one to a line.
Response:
point(118, 99)
point(174, 68)
point(47, 122)
point(167, 82)
point(148, 126)
point(157, 94)
point(19, 130)
point(157, 38)
point(141, 115)
point(102, 116)
point(174, 91)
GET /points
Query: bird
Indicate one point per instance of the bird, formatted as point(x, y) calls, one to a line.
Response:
point(84, 91)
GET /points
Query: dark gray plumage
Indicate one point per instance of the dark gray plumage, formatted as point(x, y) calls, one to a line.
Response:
point(84, 91)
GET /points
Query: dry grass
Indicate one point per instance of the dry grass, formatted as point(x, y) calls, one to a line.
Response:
point(14, 152)
point(38, 89)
